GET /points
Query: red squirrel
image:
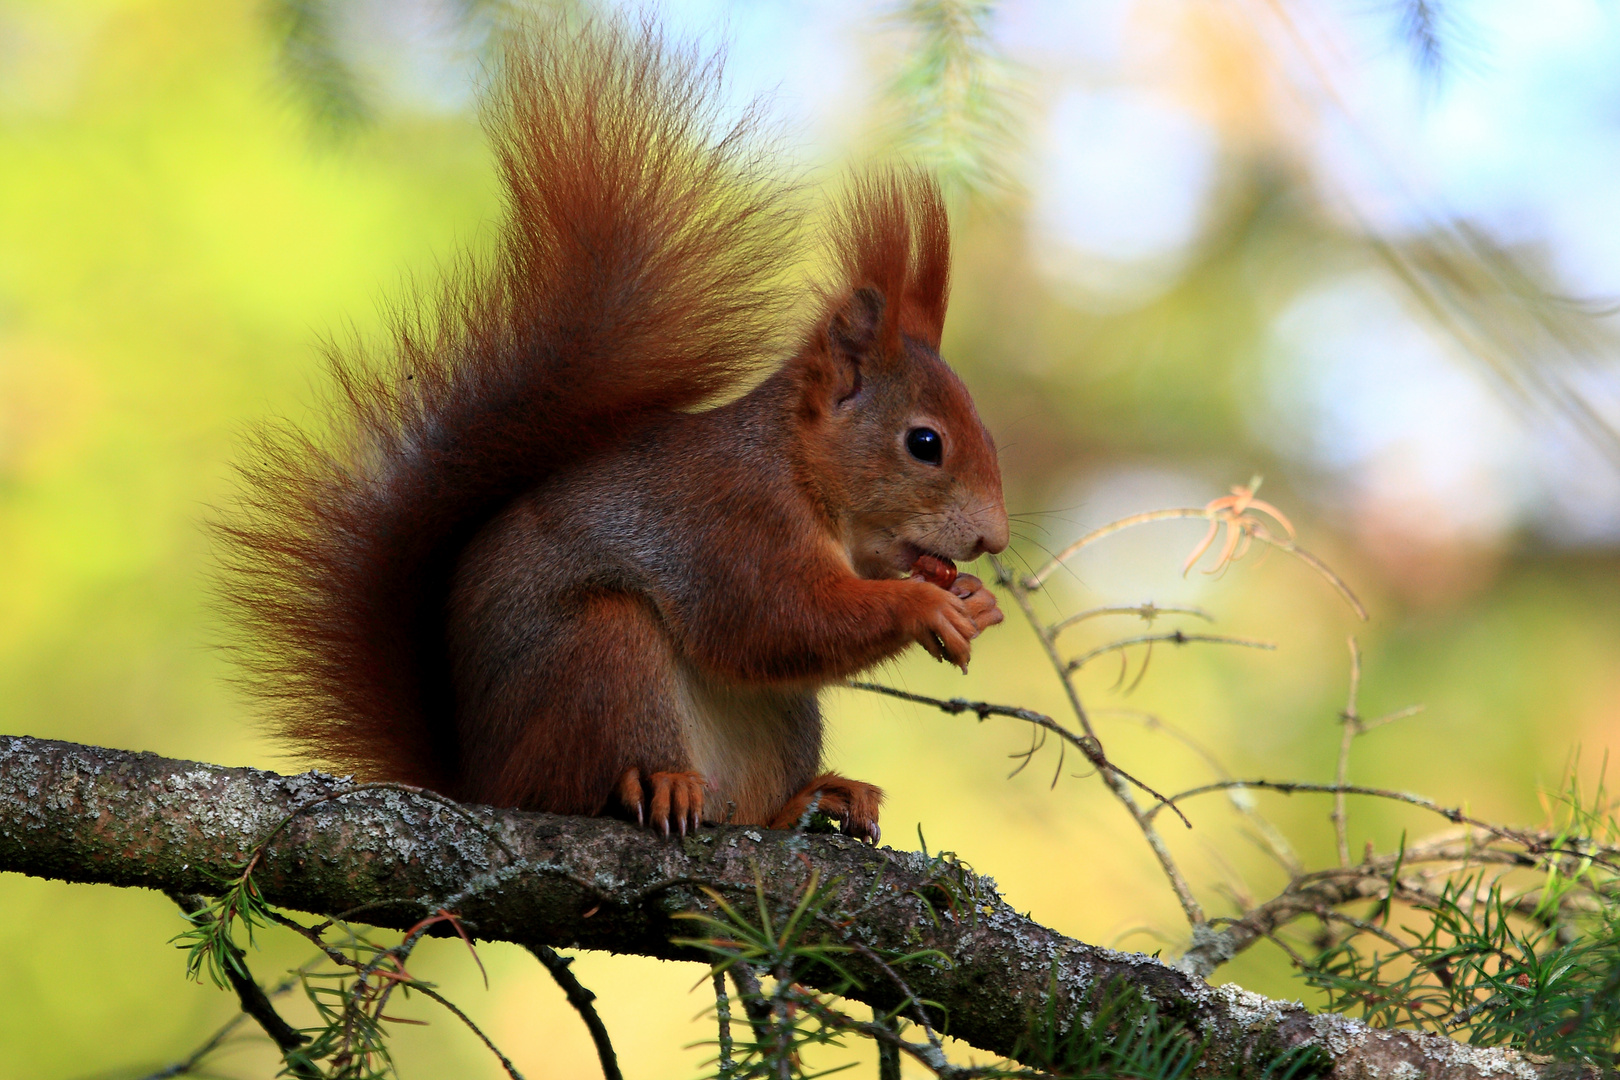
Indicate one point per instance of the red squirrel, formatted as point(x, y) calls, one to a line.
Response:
point(539, 567)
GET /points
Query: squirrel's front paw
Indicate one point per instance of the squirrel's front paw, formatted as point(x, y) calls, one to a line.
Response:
point(979, 601)
point(941, 623)
point(851, 803)
point(671, 798)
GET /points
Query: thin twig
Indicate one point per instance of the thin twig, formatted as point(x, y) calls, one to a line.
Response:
point(1350, 727)
point(888, 1053)
point(1154, 722)
point(1147, 612)
point(722, 1015)
point(1458, 1019)
point(1531, 840)
point(1322, 568)
point(581, 999)
point(1309, 894)
point(1327, 914)
point(1253, 529)
point(184, 1068)
point(1035, 580)
point(1389, 718)
point(1175, 637)
point(1293, 955)
point(1178, 883)
point(911, 998)
point(753, 1000)
point(1088, 744)
point(430, 993)
point(397, 955)
point(929, 1056)
point(1268, 839)
point(1265, 835)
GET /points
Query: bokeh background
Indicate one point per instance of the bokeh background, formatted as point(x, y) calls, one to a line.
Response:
point(1364, 249)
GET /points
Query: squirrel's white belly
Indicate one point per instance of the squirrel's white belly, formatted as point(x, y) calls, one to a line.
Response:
point(742, 741)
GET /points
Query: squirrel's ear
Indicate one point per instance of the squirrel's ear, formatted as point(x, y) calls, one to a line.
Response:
point(852, 335)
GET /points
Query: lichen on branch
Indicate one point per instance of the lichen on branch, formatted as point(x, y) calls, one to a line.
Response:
point(93, 815)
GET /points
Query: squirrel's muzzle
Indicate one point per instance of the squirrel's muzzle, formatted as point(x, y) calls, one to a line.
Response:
point(993, 530)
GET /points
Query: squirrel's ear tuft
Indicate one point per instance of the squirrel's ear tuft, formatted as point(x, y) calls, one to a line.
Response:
point(892, 234)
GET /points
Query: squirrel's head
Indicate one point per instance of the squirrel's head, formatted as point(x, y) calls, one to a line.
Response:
point(892, 444)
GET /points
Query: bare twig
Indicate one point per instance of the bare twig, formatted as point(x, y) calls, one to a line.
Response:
point(1322, 568)
point(1389, 718)
point(581, 999)
point(1252, 528)
point(1305, 895)
point(1154, 722)
point(752, 995)
point(1265, 833)
point(1237, 513)
point(1533, 842)
point(1146, 612)
point(1327, 914)
point(1350, 727)
point(1175, 637)
point(1377, 877)
point(722, 1017)
point(434, 995)
point(1241, 515)
point(1086, 744)
point(911, 1001)
point(1038, 578)
point(1178, 883)
point(888, 1053)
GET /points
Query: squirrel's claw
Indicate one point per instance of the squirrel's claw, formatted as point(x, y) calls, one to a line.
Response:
point(667, 801)
point(861, 829)
point(629, 792)
point(851, 803)
point(942, 623)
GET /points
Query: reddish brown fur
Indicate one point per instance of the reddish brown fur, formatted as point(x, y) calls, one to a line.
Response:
point(849, 801)
point(893, 236)
point(529, 574)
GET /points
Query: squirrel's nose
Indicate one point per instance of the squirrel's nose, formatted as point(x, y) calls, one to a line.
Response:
point(993, 530)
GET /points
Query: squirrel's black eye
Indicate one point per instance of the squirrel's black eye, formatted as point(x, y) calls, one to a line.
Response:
point(924, 444)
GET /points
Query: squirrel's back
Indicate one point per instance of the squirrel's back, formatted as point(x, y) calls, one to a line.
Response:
point(637, 273)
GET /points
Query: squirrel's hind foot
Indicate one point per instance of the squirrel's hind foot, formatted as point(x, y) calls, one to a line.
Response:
point(664, 800)
point(851, 803)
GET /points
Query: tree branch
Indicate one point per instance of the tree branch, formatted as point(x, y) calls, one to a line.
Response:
point(581, 999)
point(86, 814)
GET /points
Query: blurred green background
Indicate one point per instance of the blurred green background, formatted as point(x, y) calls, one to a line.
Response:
point(1330, 243)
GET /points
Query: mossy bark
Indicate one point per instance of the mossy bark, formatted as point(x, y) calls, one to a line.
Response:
point(87, 814)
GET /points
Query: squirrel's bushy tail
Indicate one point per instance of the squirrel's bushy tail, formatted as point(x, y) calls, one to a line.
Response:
point(638, 270)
